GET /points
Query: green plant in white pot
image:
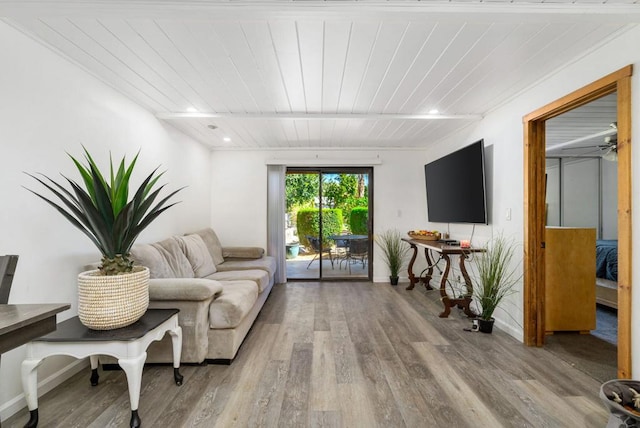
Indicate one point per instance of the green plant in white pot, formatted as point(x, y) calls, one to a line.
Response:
point(116, 294)
point(394, 252)
point(496, 274)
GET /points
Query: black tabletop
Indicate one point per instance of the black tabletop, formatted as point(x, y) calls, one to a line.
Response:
point(72, 329)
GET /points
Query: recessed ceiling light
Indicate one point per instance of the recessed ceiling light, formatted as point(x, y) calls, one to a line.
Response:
point(192, 109)
point(226, 139)
point(434, 111)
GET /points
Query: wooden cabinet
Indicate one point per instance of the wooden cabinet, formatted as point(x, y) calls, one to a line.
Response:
point(570, 275)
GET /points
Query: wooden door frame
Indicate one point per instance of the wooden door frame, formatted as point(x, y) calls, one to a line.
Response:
point(534, 208)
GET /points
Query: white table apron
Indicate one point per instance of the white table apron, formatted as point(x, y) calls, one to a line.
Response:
point(131, 356)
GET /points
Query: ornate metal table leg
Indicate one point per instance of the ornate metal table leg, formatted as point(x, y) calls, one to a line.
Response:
point(412, 278)
point(427, 280)
point(443, 291)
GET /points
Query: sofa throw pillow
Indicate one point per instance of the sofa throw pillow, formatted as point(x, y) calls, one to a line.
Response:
point(213, 244)
point(149, 256)
point(164, 259)
point(175, 258)
point(198, 255)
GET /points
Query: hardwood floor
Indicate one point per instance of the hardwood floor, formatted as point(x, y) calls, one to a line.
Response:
point(346, 355)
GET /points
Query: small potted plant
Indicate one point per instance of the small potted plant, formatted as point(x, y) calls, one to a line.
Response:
point(496, 274)
point(117, 293)
point(394, 252)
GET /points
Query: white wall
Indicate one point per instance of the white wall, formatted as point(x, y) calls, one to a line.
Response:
point(239, 204)
point(502, 128)
point(49, 107)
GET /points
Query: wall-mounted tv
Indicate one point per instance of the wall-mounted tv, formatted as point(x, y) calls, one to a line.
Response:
point(456, 186)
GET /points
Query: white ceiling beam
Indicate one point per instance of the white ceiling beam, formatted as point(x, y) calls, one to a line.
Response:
point(313, 116)
point(314, 9)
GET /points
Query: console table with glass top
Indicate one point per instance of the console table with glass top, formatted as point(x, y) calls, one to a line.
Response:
point(128, 345)
point(463, 299)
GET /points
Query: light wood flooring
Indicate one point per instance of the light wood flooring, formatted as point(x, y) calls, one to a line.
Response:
point(346, 354)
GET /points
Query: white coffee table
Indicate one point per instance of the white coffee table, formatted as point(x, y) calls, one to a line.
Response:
point(128, 345)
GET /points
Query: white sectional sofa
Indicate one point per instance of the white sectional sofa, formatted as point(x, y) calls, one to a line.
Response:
point(219, 291)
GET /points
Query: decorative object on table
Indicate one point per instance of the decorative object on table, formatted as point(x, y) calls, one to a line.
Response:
point(394, 252)
point(116, 294)
point(496, 274)
point(424, 235)
point(622, 398)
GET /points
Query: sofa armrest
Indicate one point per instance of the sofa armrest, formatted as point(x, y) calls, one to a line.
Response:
point(191, 289)
point(242, 252)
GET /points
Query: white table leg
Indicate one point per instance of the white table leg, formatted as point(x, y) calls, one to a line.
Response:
point(133, 369)
point(30, 382)
point(30, 387)
point(176, 342)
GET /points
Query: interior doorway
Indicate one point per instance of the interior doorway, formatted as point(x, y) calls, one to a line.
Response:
point(618, 82)
point(329, 223)
point(581, 215)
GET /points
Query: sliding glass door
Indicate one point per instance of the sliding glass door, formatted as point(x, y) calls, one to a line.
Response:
point(328, 223)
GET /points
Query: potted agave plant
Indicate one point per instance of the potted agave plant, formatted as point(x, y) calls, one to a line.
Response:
point(394, 252)
point(117, 293)
point(496, 274)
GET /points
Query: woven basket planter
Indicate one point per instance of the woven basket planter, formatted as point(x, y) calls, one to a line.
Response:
point(110, 302)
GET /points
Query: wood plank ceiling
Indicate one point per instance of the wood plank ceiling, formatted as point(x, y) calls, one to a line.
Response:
point(323, 75)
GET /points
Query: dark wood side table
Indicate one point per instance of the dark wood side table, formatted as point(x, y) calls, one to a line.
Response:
point(464, 299)
point(128, 345)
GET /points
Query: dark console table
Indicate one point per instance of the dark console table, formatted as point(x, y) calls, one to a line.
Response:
point(431, 248)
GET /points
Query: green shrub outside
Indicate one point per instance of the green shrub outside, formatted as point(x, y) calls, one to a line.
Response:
point(359, 221)
point(308, 224)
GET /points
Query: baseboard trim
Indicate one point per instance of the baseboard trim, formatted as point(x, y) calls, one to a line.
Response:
point(17, 403)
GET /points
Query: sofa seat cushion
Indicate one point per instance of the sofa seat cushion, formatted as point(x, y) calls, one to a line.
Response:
point(164, 259)
point(233, 304)
point(258, 276)
point(266, 263)
point(198, 255)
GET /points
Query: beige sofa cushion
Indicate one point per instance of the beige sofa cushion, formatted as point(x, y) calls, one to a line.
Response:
point(164, 259)
point(266, 263)
point(213, 244)
point(260, 277)
point(233, 304)
point(196, 251)
point(242, 252)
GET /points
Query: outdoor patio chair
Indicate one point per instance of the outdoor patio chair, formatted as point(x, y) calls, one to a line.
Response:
point(358, 252)
point(341, 250)
point(318, 248)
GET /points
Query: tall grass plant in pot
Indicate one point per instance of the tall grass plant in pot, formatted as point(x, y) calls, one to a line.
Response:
point(117, 293)
point(496, 273)
point(394, 252)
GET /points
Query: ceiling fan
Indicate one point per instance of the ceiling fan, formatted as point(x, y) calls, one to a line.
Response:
point(609, 150)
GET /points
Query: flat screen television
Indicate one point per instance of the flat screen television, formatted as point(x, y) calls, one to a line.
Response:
point(456, 186)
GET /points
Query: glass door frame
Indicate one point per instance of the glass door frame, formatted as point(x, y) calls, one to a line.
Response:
point(323, 170)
